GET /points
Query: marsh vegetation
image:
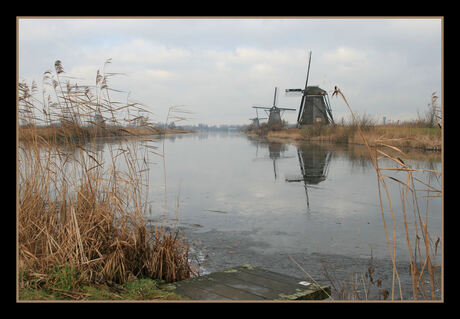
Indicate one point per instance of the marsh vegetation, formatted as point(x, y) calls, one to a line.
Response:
point(81, 219)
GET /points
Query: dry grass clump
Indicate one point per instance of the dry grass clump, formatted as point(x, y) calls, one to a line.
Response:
point(405, 136)
point(84, 207)
point(264, 129)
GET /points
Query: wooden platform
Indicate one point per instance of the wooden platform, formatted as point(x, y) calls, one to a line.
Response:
point(249, 283)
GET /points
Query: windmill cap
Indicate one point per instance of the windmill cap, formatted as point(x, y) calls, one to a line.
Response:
point(315, 89)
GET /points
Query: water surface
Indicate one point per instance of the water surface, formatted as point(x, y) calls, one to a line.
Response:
point(243, 200)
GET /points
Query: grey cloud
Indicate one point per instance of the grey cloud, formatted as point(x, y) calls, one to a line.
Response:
point(224, 66)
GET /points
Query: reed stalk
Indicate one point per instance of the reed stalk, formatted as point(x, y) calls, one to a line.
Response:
point(85, 206)
point(376, 154)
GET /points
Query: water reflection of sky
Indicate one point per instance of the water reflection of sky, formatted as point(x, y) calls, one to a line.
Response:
point(231, 183)
point(310, 198)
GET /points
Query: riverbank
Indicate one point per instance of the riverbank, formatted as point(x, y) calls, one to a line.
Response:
point(135, 290)
point(57, 133)
point(399, 136)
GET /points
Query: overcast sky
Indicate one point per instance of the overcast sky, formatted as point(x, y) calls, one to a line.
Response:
point(219, 68)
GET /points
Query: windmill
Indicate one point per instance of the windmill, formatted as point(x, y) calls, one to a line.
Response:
point(314, 106)
point(274, 112)
point(256, 120)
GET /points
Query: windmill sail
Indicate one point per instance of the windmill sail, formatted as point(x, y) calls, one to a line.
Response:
point(303, 95)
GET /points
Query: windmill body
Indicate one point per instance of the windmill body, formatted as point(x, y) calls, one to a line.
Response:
point(316, 108)
point(275, 116)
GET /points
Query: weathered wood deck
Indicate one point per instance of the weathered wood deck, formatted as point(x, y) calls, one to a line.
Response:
point(249, 283)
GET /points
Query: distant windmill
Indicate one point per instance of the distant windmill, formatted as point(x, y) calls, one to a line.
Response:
point(256, 120)
point(314, 106)
point(274, 112)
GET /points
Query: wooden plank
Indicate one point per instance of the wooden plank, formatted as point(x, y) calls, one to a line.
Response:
point(195, 293)
point(218, 290)
point(247, 283)
point(271, 275)
point(264, 287)
point(280, 286)
point(236, 282)
point(317, 292)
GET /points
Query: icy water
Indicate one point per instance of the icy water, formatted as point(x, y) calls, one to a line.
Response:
point(241, 200)
point(309, 211)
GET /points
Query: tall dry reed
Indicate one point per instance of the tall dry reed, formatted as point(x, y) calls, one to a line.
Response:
point(422, 248)
point(81, 203)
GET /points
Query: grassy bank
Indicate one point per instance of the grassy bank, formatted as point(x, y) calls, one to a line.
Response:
point(135, 290)
point(404, 136)
point(60, 134)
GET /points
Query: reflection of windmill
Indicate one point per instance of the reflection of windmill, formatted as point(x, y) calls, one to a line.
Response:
point(275, 151)
point(314, 106)
point(274, 112)
point(314, 165)
point(256, 120)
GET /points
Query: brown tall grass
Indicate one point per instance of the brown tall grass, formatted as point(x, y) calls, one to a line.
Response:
point(403, 135)
point(422, 248)
point(81, 206)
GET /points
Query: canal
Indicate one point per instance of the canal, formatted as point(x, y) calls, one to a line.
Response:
point(303, 210)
